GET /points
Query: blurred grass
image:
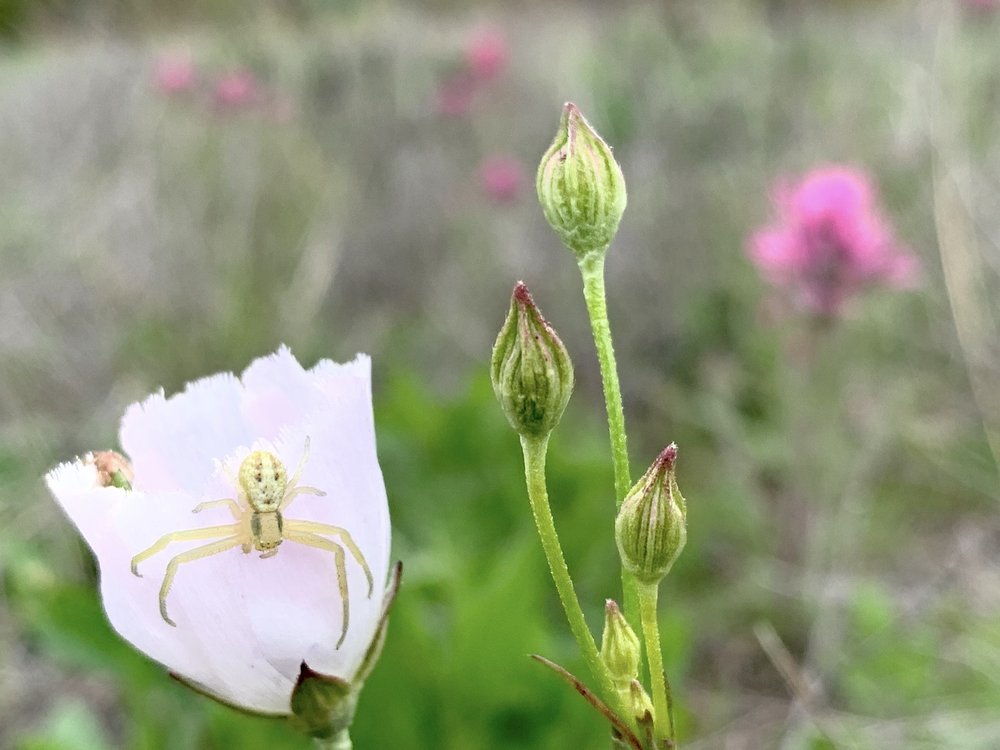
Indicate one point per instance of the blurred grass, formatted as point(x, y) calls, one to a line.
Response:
point(848, 498)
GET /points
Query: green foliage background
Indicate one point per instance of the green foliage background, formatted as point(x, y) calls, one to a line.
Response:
point(841, 491)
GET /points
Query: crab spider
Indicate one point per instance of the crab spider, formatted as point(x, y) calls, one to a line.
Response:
point(264, 490)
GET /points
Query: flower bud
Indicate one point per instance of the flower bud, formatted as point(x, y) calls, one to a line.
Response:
point(651, 527)
point(580, 186)
point(322, 705)
point(620, 647)
point(639, 703)
point(531, 370)
point(113, 469)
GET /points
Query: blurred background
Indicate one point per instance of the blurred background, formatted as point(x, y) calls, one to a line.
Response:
point(185, 185)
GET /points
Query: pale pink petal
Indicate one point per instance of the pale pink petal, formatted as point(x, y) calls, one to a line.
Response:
point(279, 392)
point(173, 442)
point(97, 512)
point(243, 624)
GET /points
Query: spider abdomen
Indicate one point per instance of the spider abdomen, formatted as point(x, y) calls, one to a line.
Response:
point(263, 479)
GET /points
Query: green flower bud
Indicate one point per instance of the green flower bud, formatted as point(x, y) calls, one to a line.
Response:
point(620, 646)
point(322, 705)
point(651, 527)
point(531, 370)
point(581, 187)
point(113, 469)
point(639, 703)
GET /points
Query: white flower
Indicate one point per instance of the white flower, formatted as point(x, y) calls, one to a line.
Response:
point(244, 625)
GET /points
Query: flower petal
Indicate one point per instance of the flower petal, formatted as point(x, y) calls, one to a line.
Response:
point(172, 441)
point(244, 624)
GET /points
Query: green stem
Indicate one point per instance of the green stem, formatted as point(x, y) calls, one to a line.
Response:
point(341, 741)
point(592, 268)
point(534, 450)
point(663, 722)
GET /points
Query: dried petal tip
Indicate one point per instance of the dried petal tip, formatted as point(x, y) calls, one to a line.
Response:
point(531, 370)
point(113, 469)
point(581, 187)
point(651, 527)
point(620, 646)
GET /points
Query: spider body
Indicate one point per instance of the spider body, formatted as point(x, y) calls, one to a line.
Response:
point(263, 480)
point(264, 490)
point(266, 531)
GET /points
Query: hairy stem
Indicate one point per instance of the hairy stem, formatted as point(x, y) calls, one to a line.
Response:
point(341, 741)
point(663, 721)
point(592, 268)
point(534, 450)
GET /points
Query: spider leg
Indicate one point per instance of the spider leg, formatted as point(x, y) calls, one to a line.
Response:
point(294, 492)
point(234, 507)
point(182, 536)
point(220, 466)
point(311, 540)
point(297, 475)
point(197, 553)
point(322, 528)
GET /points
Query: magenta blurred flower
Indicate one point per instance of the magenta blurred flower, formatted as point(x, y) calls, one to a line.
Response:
point(243, 624)
point(830, 242)
point(175, 74)
point(485, 58)
point(501, 177)
point(486, 54)
point(237, 89)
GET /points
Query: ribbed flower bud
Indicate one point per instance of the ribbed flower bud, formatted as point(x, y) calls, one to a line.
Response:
point(620, 646)
point(531, 370)
point(580, 186)
point(639, 703)
point(651, 527)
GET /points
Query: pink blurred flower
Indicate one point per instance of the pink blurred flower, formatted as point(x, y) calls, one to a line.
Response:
point(175, 74)
point(245, 624)
point(455, 95)
point(501, 177)
point(485, 58)
point(486, 54)
point(982, 6)
point(830, 242)
point(237, 89)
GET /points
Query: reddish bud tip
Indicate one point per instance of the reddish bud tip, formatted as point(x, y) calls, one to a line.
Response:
point(522, 295)
point(668, 456)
